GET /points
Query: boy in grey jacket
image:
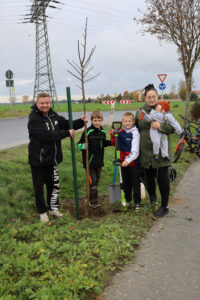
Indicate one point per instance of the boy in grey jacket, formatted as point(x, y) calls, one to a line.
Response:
point(162, 114)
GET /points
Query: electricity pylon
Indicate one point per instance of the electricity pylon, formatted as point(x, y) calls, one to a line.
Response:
point(44, 81)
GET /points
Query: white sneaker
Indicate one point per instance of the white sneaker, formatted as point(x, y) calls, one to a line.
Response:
point(44, 217)
point(55, 213)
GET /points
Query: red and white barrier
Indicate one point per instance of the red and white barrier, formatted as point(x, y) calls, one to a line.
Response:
point(109, 102)
point(125, 101)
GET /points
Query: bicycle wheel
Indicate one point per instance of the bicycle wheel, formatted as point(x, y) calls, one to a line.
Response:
point(178, 151)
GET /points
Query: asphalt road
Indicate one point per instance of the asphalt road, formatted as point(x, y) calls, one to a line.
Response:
point(13, 132)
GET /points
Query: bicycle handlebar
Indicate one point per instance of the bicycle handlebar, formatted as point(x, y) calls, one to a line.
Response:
point(196, 123)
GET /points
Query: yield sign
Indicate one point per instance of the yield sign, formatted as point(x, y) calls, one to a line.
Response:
point(162, 77)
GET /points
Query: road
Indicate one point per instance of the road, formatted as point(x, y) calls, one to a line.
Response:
point(13, 132)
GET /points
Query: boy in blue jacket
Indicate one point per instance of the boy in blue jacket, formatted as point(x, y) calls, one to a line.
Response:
point(128, 142)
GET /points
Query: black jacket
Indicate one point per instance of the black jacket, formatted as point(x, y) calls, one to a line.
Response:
point(45, 134)
point(96, 144)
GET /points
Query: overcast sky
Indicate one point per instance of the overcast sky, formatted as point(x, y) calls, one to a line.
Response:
point(126, 59)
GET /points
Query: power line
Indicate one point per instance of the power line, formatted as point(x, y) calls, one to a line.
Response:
point(108, 35)
point(103, 7)
point(105, 13)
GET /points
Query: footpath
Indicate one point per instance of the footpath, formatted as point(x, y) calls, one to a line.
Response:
point(167, 264)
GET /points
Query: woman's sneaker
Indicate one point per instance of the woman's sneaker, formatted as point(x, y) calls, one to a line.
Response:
point(44, 217)
point(55, 213)
point(161, 212)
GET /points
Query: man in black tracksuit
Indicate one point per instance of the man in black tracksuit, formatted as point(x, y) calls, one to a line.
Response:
point(96, 143)
point(46, 130)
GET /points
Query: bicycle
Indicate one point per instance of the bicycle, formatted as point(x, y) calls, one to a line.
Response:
point(193, 141)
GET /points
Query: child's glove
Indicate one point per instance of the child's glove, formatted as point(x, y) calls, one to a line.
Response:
point(82, 146)
point(112, 139)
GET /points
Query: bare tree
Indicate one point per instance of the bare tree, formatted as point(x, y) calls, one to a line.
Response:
point(25, 99)
point(176, 21)
point(82, 73)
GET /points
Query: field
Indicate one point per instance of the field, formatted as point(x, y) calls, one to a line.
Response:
point(24, 109)
point(65, 259)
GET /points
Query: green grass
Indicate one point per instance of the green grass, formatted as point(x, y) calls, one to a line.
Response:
point(66, 258)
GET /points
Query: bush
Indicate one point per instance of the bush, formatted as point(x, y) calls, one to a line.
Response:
point(193, 97)
point(195, 112)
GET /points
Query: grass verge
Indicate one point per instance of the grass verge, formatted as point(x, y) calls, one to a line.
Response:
point(22, 110)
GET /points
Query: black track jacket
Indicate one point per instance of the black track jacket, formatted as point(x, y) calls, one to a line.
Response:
point(96, 143)
point(45, 134)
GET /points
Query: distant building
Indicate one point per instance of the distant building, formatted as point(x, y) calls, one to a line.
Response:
point(139, 92)
point(197, 93)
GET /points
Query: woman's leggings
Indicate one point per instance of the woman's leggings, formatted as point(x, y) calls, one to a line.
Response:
point(161, 174)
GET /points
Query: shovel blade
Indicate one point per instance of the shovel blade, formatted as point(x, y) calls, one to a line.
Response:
point(114, 193)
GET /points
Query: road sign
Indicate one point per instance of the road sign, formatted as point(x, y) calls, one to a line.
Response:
point(125, 101)
point(162, 77)
point(9, 74)
point(9, 83)
point(108, 101)
point(162, 86)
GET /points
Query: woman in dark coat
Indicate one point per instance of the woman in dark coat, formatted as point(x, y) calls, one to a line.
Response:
point(153, 169)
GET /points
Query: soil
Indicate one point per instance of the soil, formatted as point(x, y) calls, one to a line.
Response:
point(89, 212)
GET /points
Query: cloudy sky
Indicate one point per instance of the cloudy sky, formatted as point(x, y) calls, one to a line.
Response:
point(126, 59)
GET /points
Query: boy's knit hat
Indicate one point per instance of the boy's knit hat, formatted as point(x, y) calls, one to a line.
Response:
point(165, 105)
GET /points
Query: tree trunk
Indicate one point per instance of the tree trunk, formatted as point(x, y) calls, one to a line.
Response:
point(188, 79)
point(87, 156)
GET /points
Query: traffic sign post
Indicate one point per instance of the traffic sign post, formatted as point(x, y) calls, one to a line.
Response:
point(9, 74)
point(10, 84)
point(162, 77)
point(162, 85)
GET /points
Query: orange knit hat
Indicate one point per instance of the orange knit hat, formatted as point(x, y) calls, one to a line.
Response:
point(165, 105)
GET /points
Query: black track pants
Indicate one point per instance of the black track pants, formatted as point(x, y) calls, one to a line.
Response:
point(163, 183)
point(131, 183)
point(94, 180)
point(46, 175)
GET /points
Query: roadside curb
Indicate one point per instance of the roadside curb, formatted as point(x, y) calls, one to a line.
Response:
point(12, 118)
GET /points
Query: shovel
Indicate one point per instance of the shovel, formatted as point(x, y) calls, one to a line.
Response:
point(115, 190)
point(123, 200)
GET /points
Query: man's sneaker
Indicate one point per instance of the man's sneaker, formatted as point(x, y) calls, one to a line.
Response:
point(161, 212)
point(44, 217)
point(137, 207)
point(55, 213)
